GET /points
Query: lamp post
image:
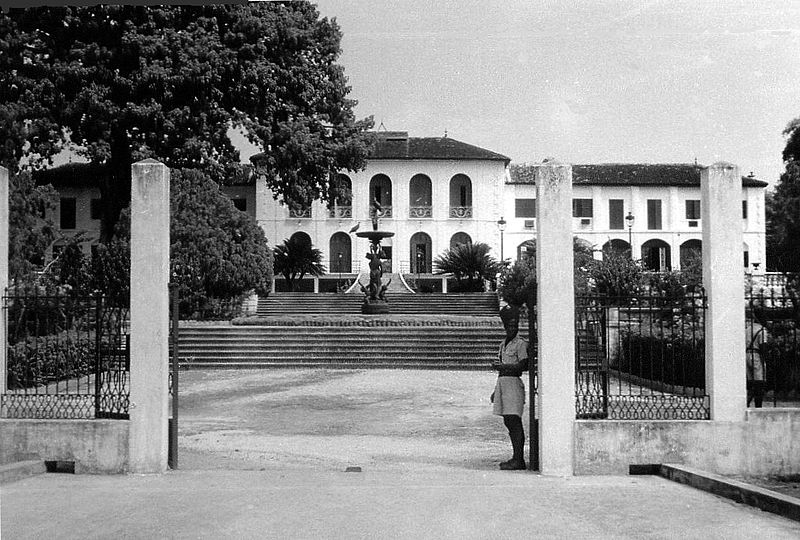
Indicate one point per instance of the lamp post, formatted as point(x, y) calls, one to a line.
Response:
point(629, 220)
point(419, 263)
point(501, 224)
point(339, 281)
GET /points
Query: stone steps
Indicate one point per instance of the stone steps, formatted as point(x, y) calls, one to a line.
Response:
point(434, 347)
point(477, 304)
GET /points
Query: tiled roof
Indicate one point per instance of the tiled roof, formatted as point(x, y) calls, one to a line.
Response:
point(398, 145)
point(89, 174)
point(627, 174)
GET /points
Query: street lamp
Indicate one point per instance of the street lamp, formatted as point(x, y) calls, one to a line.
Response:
point(501, 224)
point(629, 220)
point(338, 282)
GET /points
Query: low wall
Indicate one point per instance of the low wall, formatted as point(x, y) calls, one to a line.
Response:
point(766, 443)
point(96, 446)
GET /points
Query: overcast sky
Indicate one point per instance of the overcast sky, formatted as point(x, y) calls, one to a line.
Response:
point(584, 82)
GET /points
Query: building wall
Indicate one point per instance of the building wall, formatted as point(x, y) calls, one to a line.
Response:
point(487, 180)
point(675, 227)
point(84, 224)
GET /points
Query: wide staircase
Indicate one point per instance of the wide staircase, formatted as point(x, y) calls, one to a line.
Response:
point(474, 304)
point(378, 346)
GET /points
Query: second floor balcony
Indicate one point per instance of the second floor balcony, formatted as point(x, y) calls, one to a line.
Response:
point(300, 213)
point(340, 212)
point(420, 212)
point(461, 212)
point(386, 212)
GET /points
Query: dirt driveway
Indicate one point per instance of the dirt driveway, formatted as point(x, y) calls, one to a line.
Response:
point(333, 419)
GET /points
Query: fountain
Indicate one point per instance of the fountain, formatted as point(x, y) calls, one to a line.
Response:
point(375, 292)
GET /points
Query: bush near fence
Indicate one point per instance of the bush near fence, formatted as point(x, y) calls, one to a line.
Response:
point(35, 361)
point(668, 360)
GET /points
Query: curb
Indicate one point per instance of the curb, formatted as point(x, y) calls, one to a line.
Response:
point(12, 472)
point(741, 492)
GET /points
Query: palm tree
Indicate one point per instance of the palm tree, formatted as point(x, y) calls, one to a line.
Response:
point(295, 258)
point(470, 264)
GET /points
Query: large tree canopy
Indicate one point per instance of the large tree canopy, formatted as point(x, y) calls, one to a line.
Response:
point(783, 208)
point(127, 83)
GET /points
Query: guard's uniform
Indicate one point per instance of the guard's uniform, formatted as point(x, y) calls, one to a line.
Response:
point(509, 392)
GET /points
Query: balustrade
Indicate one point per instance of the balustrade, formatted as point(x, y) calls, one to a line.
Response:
point(461, 212)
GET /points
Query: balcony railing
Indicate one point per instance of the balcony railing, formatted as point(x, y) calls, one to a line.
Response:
point(340, 212)
point(418, 212)
point(386, 212)
point(461, 212)
point(302, 213)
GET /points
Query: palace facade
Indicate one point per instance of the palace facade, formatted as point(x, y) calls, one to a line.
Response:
point(437, 192)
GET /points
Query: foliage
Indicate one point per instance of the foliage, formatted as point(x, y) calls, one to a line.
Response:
point(783, 219)
point(125, 83)
point(668, 359)
point(295, 258)
point(470, 264)
point(617, 275)
point(676, 283)
point(30, 233)
point(110, 269)
point(33, 361)
point(217, 251)
point(518, 282)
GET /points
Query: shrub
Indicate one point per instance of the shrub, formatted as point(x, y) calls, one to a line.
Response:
point(670, 360)
point(470, 264)
point(35, 361)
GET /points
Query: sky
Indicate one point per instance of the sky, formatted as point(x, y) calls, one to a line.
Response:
point(581, 81)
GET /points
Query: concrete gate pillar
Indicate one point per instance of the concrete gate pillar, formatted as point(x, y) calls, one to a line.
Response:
point(4, 239)
point(723, 279)
point(555, 317)
point(149, 393)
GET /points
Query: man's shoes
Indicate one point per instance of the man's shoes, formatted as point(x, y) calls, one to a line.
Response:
point(512, 465)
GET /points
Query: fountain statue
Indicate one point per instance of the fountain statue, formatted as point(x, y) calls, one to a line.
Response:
point(375, 292)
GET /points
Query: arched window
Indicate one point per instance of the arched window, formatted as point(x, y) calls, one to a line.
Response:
point(380, 191)
point(616, 247)
point(746, 253)
point(656, 255)
point(526, 250)
point(341, 198)
point(301, 238)
point(460, 197)
point(420, 198)
point(459, 238)
point(340, 253)
point(691, 250)
point(421, 253)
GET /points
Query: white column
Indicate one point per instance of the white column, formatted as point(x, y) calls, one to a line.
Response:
point(149, 317)
point(721, 191)
point(4, 239)
point(555, 317)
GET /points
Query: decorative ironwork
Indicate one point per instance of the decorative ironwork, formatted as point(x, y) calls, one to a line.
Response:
point(67, 356)
point(420, 212)
point(386, 212)
point(772, 346)
point(300, 213)
point(340, 212)
point(461, 212)
point(640, 357)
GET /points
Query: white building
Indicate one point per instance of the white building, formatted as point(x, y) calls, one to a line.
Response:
point(436, 192)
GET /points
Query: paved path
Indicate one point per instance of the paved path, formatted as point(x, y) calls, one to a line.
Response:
point(312, 504)
point(263, 455)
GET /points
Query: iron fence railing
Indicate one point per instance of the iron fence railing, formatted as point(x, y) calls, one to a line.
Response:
point(67, 356)
point(772, 348)
point(641, 357)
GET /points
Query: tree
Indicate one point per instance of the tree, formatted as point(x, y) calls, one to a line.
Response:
point(470, 264)
point(295, 258)
point(216, 250)
point(30, 233)
point(783, 221)
point(125, 83)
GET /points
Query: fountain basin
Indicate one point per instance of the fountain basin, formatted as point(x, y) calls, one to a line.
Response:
point(375, 236)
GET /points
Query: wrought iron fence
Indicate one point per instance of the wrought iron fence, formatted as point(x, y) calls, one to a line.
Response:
point(641, 357)
point(772, 348)
point(67, 355)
